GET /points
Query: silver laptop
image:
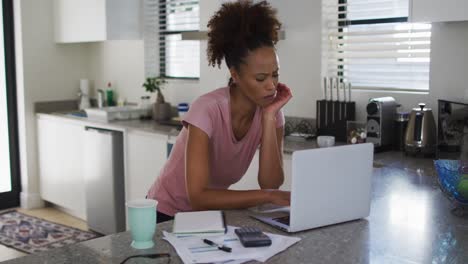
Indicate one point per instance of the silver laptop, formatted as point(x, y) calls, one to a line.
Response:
point(329, 186)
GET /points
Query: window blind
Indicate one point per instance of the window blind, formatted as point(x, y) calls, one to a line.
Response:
point(151, 37)
point(180, 59)
point(165, 20)
point(369, 44)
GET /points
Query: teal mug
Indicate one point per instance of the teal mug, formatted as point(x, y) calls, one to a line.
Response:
point(142, 222)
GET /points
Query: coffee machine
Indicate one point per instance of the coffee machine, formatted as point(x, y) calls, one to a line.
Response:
point(380, 116)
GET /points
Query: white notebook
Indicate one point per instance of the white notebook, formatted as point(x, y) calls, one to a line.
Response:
point(201, 222)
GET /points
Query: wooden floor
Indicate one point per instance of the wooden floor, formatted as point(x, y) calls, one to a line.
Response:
point(47, 213)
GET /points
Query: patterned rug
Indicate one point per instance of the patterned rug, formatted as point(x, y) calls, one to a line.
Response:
point(31, 234)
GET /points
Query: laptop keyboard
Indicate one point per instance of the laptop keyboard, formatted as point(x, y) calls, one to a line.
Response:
point(283, 220)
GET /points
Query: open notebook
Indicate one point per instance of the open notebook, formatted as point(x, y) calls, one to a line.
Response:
point(199, 223)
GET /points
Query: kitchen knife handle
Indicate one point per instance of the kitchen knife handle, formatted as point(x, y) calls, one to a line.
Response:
point(325, 87)
point(344, 91)
point(337, 89)
point(349, 92)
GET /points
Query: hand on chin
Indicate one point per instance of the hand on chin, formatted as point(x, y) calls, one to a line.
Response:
point(283, 95)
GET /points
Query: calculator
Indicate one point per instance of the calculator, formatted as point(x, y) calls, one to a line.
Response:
point(252, 237)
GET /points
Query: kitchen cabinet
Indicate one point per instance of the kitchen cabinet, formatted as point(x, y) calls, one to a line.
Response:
point(250, 179)
point(61, 164)
point(146, 156)
point(97, 20)
point(438, 10)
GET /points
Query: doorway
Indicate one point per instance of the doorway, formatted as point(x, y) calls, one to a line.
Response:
point(9, 153)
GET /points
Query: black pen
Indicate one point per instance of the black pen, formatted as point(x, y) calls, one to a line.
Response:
point(223, 217)
point(220, 247)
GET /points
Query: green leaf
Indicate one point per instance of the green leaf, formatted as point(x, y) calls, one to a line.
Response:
point(154, 84)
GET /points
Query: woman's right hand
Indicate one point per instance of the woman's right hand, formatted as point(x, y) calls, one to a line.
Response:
point(278, 197)
point(283, 95)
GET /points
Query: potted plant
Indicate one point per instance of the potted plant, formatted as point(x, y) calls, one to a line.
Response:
point(161, 109)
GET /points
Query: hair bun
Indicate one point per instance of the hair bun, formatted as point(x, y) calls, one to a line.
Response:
point(239, 27)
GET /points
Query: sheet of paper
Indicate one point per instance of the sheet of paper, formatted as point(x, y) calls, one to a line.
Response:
point(191, 249)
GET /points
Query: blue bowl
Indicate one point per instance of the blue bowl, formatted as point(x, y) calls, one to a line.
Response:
point(449, 178)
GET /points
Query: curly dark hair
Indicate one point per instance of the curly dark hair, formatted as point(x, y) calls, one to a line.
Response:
point(239, 27)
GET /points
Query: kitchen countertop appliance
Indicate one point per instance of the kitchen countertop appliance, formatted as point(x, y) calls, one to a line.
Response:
point(380, 120)
point(400, 124)
point(421, 131)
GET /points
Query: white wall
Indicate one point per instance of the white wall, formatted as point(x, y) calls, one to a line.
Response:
point(122, 63)
point(45, 72)
point(449, 62)
point(300, 54)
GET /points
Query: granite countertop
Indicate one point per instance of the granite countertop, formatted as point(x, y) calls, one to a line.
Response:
point(150, 126)
point(410, 222)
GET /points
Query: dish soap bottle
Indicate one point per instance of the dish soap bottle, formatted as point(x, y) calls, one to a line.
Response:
point(110, 95)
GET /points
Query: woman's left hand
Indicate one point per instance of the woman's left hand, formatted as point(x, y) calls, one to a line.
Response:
point(283, 95)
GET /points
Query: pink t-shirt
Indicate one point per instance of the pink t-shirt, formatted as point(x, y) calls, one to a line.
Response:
point(229, 158)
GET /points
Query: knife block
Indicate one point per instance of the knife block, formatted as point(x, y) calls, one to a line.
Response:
point(331, 118)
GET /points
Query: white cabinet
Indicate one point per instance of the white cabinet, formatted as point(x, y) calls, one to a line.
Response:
point(97, 20)
point(146, 155)
point(438, 10)
point(250, 179)
point(61, 164)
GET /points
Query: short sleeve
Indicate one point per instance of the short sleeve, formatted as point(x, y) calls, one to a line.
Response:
point(201, 115)
point(280, 119)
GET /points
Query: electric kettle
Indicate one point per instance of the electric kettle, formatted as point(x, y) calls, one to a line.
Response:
point(421, 131)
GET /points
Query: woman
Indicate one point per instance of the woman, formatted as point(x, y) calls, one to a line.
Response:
point(225, 127)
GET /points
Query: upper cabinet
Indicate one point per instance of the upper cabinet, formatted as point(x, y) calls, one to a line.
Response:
point(97, 20)
point(438, 10)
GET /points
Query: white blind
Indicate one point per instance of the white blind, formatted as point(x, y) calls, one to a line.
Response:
point(365, 45)
point(151, 37)
point(178, 58)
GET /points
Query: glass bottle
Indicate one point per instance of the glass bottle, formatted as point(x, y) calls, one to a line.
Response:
point(145, 105)
point(110, 95)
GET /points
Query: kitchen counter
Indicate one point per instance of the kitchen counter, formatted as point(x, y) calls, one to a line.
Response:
point(150, 126)
point(410, 222)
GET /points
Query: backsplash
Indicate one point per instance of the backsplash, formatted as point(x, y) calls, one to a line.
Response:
point(55, 106)
point(299, 125)
point(70, 105)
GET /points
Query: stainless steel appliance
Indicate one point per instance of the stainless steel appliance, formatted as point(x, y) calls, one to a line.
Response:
point(380, 119)
point(104, 180)
point(421, 131)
